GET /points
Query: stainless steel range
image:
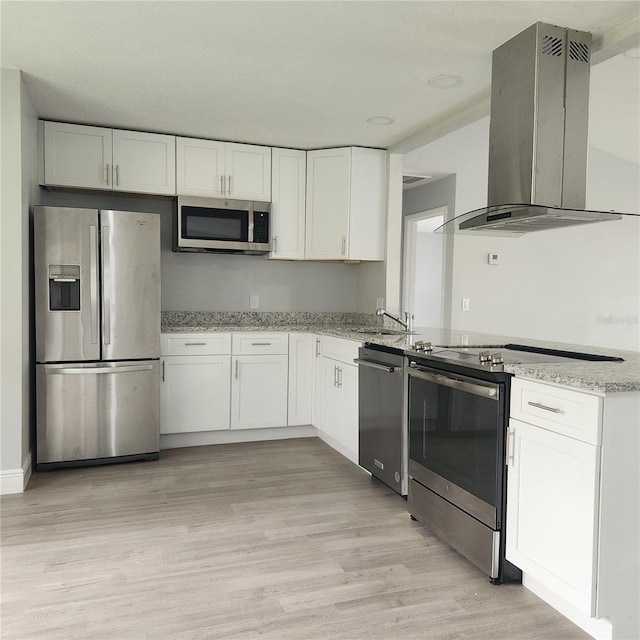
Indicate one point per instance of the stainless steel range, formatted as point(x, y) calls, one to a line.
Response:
point(458, 407)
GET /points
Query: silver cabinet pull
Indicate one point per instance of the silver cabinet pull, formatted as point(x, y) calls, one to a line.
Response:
point(511, 445)
point(163, 363)
point(93, 282)
point(222, 185)
point(116, 178)
point(537, 405)
point(344, 245)
point(317, 347)
point(106, 286)
point(275, 240)
point(106, 173)
point(335, 375)
point(237, 366)
point(195, 344)
point(260, 344)
point(339, 377)
point(229, 185)
point(376, 365)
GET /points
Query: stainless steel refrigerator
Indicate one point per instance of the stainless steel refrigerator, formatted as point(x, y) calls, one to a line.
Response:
point(97, 317)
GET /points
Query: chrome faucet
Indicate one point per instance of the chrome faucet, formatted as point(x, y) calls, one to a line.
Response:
point(407, 323)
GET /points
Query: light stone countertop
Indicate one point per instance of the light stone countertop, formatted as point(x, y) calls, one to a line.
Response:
point(598, 377)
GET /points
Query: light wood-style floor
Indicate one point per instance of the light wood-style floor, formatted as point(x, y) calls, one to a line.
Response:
point(273, 540)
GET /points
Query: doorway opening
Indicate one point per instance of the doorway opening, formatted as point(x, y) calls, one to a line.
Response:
point(423, 269)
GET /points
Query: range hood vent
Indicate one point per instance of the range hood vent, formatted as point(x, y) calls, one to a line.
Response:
point(537, 137)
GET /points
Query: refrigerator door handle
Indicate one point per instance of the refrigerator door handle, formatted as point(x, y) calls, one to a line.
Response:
point(96, 370)
point(93, 284)
point(106, 286)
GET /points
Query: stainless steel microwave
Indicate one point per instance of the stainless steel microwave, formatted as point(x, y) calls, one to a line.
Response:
point(218, 225)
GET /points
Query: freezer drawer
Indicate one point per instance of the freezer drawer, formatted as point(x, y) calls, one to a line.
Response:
point(93, 411)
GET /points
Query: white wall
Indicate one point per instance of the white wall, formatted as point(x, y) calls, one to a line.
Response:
point(579, 285)
point(18, 167)
point(428, 275)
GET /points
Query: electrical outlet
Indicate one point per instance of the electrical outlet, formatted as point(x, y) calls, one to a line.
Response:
point(465, 304)
point(379, 303)
point(254, 301)
point(464, 340)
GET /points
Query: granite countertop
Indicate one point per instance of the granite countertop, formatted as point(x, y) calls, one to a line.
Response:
point(598, 377)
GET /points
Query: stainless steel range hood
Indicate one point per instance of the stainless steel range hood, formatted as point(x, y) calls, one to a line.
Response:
point(538, 136)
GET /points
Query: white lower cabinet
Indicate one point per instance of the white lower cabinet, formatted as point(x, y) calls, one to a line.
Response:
point(552, 515)
point(259, 391)
point(336, 396)
point(195, 393)
point(301, 363)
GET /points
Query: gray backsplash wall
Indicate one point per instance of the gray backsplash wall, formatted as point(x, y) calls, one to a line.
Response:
point(212, 282)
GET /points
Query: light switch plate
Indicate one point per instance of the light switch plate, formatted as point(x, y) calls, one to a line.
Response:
point(254, 301)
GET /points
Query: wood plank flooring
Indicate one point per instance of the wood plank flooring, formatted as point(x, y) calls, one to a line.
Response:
point(281, 540)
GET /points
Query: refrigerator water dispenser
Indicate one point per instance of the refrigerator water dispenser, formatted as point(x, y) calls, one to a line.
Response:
point(64, 287)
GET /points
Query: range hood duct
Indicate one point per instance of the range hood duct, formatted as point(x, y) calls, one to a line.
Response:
point(538, 135)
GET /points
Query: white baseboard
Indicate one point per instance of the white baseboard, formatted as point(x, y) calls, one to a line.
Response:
point(599, 628)
point(229, 436)
point(15, 480)
point(339, 447)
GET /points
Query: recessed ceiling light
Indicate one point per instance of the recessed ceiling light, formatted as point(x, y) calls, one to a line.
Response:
point(445, 81)
point(381, 120)
point(633, 52)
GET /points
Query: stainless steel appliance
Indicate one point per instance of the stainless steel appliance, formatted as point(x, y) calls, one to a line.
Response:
point(97, 313)
point(216, 225)
point(457, 416)
point(538, 136)
point(382, 448)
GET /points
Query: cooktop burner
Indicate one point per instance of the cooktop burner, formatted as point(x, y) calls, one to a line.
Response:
point(494, 357)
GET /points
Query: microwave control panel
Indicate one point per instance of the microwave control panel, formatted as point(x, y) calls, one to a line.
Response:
point(260, 226)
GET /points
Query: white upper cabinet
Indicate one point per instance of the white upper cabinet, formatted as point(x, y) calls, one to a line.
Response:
point(113, 159)
point(346, 204)
point(211, 169)
point(288, 187)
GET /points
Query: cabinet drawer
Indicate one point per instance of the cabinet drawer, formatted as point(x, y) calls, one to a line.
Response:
point(340, 349)
point(260, 343)
point(564, 411)
point(195, 344)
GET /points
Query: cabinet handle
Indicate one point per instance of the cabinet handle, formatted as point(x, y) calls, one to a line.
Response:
point(260, 344)
point(275, 240)
point(339, 377)
point(511, 443)
point(344, 245)
point(222, 185)
point(116, 178)
point(317, 347)
point(335, 375)
point(106, 173)
point(163, 371)
point(237, 365)
point(537, 405)
point(229, 185)
point(195, 344)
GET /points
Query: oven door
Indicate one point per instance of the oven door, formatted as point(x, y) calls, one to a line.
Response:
point(455, 436)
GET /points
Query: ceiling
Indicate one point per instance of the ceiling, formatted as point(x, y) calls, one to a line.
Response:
point(292, 74)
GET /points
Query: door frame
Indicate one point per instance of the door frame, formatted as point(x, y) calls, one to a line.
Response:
point(410, 230)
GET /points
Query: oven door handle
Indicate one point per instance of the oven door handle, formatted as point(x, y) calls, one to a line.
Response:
point(375, 365)
point(476, 388)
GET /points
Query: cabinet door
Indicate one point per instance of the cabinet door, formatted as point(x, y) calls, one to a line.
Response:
point(195, 393)
point(248, 171)
point(348, 378)
point(331, 400)
point(301, 365)
point(77, 156)
point(259, 391)
point(288, 189)
point(144, 162)
point(328, 183)
point(200, 168)
point(552, 507)
point(317, 419)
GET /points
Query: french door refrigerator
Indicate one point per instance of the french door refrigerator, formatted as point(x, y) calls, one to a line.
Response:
point(97, 316)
